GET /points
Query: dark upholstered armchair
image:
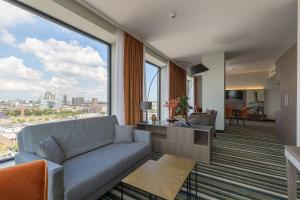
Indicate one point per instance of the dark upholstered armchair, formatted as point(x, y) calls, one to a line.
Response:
point(204, 119)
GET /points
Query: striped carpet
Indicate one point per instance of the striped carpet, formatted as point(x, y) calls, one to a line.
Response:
point(247, 163)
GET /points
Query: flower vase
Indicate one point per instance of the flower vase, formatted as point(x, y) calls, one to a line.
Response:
point(171, 115)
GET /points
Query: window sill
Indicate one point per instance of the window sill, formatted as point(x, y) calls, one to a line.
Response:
point(7, 163)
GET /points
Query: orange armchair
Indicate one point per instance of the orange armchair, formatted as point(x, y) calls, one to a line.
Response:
point(243, 114)
point(27, 181)
point(229, 114)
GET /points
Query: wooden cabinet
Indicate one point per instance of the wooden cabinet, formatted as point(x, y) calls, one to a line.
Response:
point(286, 76)
point(193, 142)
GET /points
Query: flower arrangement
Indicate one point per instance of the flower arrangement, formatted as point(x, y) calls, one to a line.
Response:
point(178, 106)
point(172, 105)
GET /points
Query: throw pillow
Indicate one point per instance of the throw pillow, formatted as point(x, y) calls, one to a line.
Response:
point(50, 150)
point(123, 134)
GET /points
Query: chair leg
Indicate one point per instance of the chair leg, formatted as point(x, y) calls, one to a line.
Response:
point(244, 122)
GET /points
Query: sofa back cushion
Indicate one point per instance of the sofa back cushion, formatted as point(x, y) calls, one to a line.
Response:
point(73, 136)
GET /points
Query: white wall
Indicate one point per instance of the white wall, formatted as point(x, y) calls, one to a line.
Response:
point(199, 92)
point(272, 99)
point(298, 78)
point(257, 80)
point(213, 85)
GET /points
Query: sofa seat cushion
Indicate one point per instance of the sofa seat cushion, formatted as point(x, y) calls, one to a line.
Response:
point(88, 172)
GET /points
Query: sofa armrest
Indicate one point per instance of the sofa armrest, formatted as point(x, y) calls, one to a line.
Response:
point(142, 136)
point(55, 174)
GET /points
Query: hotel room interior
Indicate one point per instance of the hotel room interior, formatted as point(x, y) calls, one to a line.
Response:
point(160, 99)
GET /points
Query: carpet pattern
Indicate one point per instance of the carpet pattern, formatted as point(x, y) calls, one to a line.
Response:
point(248, 163)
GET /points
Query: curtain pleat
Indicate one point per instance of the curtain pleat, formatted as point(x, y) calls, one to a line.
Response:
point(177, 81)
point(133, 78)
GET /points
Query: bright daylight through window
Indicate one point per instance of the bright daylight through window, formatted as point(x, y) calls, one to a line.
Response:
point(152, 76)
point(47, 73)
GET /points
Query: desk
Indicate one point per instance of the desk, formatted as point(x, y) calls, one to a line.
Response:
point(292, 155)
point(191, 142)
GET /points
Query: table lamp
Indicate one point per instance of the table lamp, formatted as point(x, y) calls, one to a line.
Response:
point(145, 106)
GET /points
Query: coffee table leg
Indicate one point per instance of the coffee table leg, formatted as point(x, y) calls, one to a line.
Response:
point(187, 188)
point(122, 191)
point(196, 180)
point(190, 187)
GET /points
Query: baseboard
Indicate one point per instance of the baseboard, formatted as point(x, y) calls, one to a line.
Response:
point(220, 131)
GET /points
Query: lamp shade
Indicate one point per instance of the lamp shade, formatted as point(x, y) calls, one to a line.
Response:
point(197, 69)
point(146, 105)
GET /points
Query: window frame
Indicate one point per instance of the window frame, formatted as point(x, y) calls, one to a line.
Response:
point(81, 32)
point(158, 86)
point(39, 13)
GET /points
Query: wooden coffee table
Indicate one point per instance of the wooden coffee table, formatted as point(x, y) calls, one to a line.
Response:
point(163, 178)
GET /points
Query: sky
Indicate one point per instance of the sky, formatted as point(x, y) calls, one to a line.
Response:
point(151, 71)
point(37, 55)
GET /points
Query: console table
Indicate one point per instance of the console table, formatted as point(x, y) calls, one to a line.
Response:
point(191, 142)
point(292, 155)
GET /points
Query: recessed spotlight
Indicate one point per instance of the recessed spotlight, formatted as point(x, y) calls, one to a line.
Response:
point(173, 15)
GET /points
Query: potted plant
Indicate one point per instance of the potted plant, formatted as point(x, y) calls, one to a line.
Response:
point(183, 106)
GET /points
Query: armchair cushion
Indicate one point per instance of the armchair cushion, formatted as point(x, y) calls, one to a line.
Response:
point(50, 150)
point(55, 174)
point(26, 181)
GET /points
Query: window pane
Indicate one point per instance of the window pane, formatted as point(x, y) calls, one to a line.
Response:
point(152, 89)
point(48, 73)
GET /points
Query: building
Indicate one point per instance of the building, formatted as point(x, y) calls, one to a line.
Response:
point(94, 101)
point(65, 100)
point(8, 139)
point(49, 96)
point(77, 101)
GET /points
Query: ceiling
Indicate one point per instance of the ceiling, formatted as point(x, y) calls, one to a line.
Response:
point(253, 33)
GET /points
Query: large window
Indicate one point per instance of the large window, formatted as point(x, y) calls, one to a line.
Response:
point(152, 88)
point(48, 72)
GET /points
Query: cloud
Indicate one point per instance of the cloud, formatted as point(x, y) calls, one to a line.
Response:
point(61, 83)
point(68, 59)
point(14, 68)
point(11, 15)
point(7, 38)
point(19, 86)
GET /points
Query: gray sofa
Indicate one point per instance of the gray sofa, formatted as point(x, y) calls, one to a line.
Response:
point(93, 165)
